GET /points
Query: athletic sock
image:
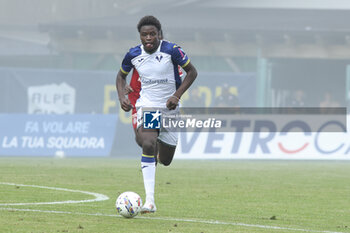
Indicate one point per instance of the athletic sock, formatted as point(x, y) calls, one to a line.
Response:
point(148, 165)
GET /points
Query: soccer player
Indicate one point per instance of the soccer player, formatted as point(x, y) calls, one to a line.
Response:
point(133, 92)
point(156, 62)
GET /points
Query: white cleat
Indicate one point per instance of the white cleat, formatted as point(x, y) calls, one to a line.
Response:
point(148, 207)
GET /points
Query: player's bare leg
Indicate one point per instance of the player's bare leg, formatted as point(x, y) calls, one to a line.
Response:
point(166, 153)
point(148, 138)
point(138, 139)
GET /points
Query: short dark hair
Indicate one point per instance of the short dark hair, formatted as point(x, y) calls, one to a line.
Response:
point(149, 20)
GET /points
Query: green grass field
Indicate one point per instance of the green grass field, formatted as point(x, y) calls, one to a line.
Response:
point(191, 196)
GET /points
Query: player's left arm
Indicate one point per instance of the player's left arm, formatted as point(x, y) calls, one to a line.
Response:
point(191, 74)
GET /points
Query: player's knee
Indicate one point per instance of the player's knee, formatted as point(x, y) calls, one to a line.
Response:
point(166, 163)
point(149, 145)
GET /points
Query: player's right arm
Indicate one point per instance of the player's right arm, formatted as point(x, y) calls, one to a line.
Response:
point(124, 70)
point(128, 89)
point(120, 84)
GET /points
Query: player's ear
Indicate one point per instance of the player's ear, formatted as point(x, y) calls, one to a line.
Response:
point(160, 34)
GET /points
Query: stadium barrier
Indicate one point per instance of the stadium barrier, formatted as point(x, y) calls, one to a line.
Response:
point(76, 113)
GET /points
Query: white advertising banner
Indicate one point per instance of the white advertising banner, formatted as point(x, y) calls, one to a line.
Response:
point(265, 145)
point(51, 99)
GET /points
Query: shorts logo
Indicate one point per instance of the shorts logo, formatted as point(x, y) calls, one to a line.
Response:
point(151, 119)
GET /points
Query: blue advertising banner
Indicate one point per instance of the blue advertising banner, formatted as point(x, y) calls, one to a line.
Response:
point(60, 135)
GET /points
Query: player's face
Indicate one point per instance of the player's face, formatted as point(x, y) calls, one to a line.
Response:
point(150, 38)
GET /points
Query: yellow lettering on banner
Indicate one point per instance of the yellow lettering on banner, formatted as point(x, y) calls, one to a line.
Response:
point(218, 91)
point(234, 90)
point(203, 90)
point(185, 96)
point(108, 101)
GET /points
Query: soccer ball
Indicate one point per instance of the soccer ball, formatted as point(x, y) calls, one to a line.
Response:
point(128, 204)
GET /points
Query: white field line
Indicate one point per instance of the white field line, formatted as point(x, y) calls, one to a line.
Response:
point(98, 196)
point(175, 220)
point(101, 197)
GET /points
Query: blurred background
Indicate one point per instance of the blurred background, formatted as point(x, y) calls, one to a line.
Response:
point(60, 57)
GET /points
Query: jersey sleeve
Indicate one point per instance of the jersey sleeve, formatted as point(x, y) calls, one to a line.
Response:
point(126, 64)
point(179, 56)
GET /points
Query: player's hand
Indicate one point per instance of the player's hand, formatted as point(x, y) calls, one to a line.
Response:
point(128, 89)
point(172, 102)
point(125, 104)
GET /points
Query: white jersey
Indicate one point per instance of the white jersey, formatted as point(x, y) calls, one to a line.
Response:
point(159, 74)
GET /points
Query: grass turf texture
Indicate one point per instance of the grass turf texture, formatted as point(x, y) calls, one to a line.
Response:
point(300, 195)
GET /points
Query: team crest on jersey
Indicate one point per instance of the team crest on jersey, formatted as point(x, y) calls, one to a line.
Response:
point(159, 57)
